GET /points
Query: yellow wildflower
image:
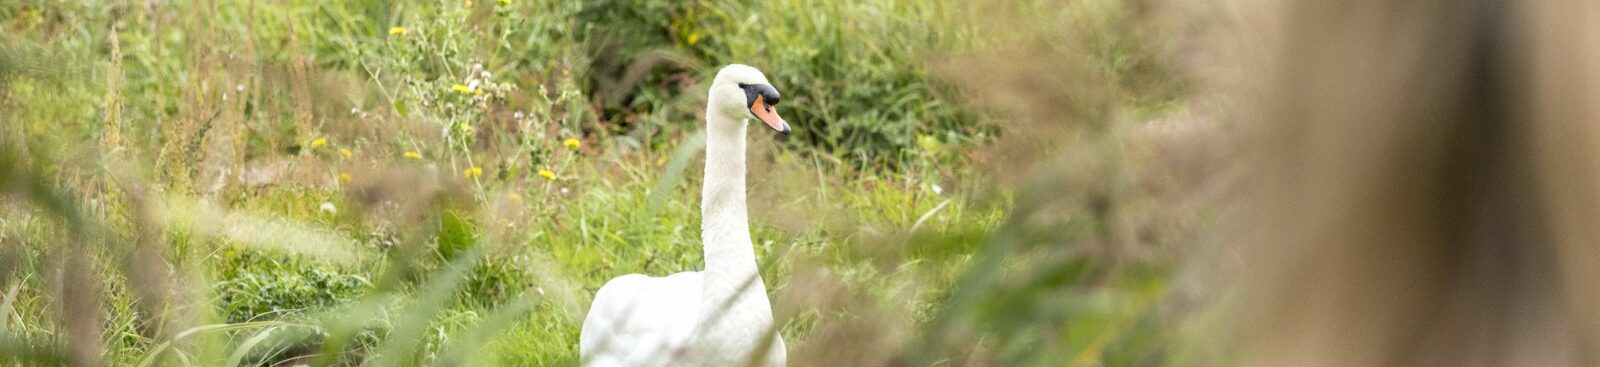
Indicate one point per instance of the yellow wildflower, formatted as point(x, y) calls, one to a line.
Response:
point(473, 172)
point(514, 197)
point(694, 38)
point(929, 143)
point(398, 31)
point(345, 152)
point(505, 2)
point(413, 155)
point(572, 143)
point(319, 143)
point(547, 174)
point(228, 253)
point(344, 178)
point(466, 128)
point(461, 88)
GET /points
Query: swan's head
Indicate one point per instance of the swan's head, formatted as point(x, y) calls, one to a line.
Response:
point(742, 92)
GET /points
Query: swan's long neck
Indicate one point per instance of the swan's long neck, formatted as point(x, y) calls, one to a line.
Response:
point(731, 278)
point(726, 227)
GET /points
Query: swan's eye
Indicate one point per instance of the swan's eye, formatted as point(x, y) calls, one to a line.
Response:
point(772, 96)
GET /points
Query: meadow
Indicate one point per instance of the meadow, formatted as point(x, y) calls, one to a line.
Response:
point(234, 182)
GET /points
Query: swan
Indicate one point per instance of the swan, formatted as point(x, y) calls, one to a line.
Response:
point(719, 316)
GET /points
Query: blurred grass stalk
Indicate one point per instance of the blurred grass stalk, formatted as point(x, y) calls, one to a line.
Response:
point(1108, 146)
point(1422, 187)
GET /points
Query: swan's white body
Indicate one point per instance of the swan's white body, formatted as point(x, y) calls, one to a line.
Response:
point(716, 317)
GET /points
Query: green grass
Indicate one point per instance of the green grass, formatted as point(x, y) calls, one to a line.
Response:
point(448, 184)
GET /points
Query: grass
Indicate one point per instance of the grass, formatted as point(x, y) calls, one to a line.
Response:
point(448, 184)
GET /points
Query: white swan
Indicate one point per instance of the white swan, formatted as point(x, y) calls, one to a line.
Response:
point(716, 317)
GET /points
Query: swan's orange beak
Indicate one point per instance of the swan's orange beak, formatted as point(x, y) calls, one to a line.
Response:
point(766, 113)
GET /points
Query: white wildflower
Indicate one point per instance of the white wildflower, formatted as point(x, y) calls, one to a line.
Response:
point(327, 208)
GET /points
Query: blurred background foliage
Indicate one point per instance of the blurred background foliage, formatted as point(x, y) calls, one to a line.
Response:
point(446, 183)
point(869, 94)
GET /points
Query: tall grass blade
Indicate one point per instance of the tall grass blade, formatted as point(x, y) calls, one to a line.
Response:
point(463, 351)
point(402, 341)
point(155, 353)
point(674, 171)
point(244, 348)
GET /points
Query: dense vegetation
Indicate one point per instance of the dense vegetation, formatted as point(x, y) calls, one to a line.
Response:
point(360, 182)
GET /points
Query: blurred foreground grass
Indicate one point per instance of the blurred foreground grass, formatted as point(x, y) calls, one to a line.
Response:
point(263, 183)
